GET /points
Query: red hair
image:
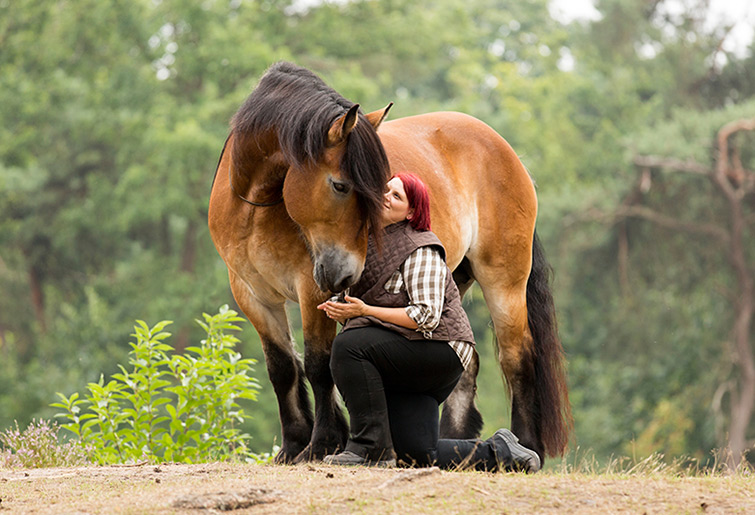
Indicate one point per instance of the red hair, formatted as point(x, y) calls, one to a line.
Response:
point(419, 199)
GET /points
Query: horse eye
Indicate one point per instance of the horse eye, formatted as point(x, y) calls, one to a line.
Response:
point(340, 187)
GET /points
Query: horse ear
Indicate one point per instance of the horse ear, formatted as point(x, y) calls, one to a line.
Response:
point(376, 117)
point(343, 126)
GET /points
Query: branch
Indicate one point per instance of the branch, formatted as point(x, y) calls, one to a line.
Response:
point(645, 213)
point(670, 163)
point(662, 220)
point(736, 173)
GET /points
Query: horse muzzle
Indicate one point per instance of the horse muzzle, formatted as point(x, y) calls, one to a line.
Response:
point(336, 269)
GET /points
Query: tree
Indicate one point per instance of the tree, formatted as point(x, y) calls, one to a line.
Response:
point(732, 174)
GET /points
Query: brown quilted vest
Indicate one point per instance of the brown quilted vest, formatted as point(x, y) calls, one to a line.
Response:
point(399, 241)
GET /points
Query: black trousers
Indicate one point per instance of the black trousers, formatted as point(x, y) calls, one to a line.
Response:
point(371, 363)
point(414, 428)
point(392, 388)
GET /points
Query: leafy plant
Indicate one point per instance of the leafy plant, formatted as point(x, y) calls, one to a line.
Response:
point(166, 406)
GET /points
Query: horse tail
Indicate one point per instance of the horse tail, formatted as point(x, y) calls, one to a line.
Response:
point(551, 390)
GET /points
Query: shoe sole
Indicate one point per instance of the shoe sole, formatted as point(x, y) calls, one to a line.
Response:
point(533, 460)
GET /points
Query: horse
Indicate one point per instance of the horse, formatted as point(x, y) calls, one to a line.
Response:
point(297, 191)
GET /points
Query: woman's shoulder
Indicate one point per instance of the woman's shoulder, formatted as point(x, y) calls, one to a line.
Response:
point(426, 239)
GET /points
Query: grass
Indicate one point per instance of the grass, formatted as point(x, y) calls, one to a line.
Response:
point(40, 475)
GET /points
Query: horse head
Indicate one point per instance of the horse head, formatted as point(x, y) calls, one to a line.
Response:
point(337, 199)
point(295, 130)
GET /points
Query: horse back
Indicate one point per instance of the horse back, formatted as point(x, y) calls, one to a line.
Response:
point(482, 197)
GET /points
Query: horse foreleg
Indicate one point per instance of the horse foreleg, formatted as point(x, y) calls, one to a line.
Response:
point(461, 419)
point(330, 427)
point(284, 368)
point(286, 372)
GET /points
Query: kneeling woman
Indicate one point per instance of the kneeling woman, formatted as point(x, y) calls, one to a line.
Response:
point(405, 342)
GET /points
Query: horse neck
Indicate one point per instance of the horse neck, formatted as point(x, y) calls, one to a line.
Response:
point(258, 168)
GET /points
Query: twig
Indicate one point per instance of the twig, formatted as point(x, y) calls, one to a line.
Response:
point(137, 464)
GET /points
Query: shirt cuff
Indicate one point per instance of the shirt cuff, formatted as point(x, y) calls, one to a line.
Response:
point(417, 314)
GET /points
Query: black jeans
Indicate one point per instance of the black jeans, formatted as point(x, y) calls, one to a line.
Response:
point(414, 428)
point(371, 364)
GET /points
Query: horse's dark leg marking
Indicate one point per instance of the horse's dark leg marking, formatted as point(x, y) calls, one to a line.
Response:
point(460, 418)
point(525, 408)
point(330, 429)
point(287, 376)
point(541, 410)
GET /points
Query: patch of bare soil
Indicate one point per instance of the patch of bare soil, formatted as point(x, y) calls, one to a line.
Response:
point(318, 488)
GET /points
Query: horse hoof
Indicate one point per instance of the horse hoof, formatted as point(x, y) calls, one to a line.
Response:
point(308, 454)
point(284, 458)
point(316, 453)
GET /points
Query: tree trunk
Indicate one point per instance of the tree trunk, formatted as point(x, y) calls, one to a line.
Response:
point(731, 180)
point(735, 183)
point(189, 255)
point(37, 297)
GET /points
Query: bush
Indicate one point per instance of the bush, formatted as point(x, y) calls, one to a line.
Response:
point(169, 407)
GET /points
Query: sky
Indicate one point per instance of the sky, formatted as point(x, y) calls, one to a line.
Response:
point(741, 13)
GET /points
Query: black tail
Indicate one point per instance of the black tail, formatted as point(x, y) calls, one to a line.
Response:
point(551, 390)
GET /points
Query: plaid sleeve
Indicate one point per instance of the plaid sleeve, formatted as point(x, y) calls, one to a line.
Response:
point(424, 275)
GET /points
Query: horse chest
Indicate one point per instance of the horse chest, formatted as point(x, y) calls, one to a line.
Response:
point(271, 265)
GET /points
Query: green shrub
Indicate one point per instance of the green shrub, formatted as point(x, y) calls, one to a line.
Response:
point(166, 406)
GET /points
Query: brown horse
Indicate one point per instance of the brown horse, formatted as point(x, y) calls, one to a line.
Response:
point(296, 192)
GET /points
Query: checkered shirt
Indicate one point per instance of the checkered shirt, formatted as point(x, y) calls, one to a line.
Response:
point(423, 274)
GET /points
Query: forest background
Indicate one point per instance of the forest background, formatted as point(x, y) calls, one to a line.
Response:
point(113, 114)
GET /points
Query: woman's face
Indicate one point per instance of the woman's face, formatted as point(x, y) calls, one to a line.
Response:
point(396, 206)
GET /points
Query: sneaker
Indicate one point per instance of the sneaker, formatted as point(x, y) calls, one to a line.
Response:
point(348, 458)
point(523, 459)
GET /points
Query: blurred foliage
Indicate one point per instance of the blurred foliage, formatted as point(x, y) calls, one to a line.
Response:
point(113, 115)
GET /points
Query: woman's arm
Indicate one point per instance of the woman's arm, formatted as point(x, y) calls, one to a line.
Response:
point(354, 307)
point(424, 277)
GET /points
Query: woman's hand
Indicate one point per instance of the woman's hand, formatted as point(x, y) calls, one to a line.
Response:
point(342, 311)
point(354, 307)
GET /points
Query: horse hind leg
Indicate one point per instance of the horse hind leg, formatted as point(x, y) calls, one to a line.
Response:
point(460, 418)
point(516, 358)
point(531, 357)
point(285, 370)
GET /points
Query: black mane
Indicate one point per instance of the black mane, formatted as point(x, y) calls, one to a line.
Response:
point(299, 108)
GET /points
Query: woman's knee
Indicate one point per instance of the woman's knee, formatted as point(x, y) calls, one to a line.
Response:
point(345, 347)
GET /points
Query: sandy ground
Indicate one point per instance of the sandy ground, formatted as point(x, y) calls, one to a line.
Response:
point(318, 488)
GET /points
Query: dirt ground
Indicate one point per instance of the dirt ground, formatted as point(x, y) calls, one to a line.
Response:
point(318, 488)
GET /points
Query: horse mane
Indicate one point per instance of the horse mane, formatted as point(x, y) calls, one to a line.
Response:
point(298, 107)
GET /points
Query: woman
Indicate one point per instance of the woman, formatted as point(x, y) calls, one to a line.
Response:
point(405, 342)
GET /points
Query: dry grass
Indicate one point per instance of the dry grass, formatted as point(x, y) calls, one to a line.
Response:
point(319, 488)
